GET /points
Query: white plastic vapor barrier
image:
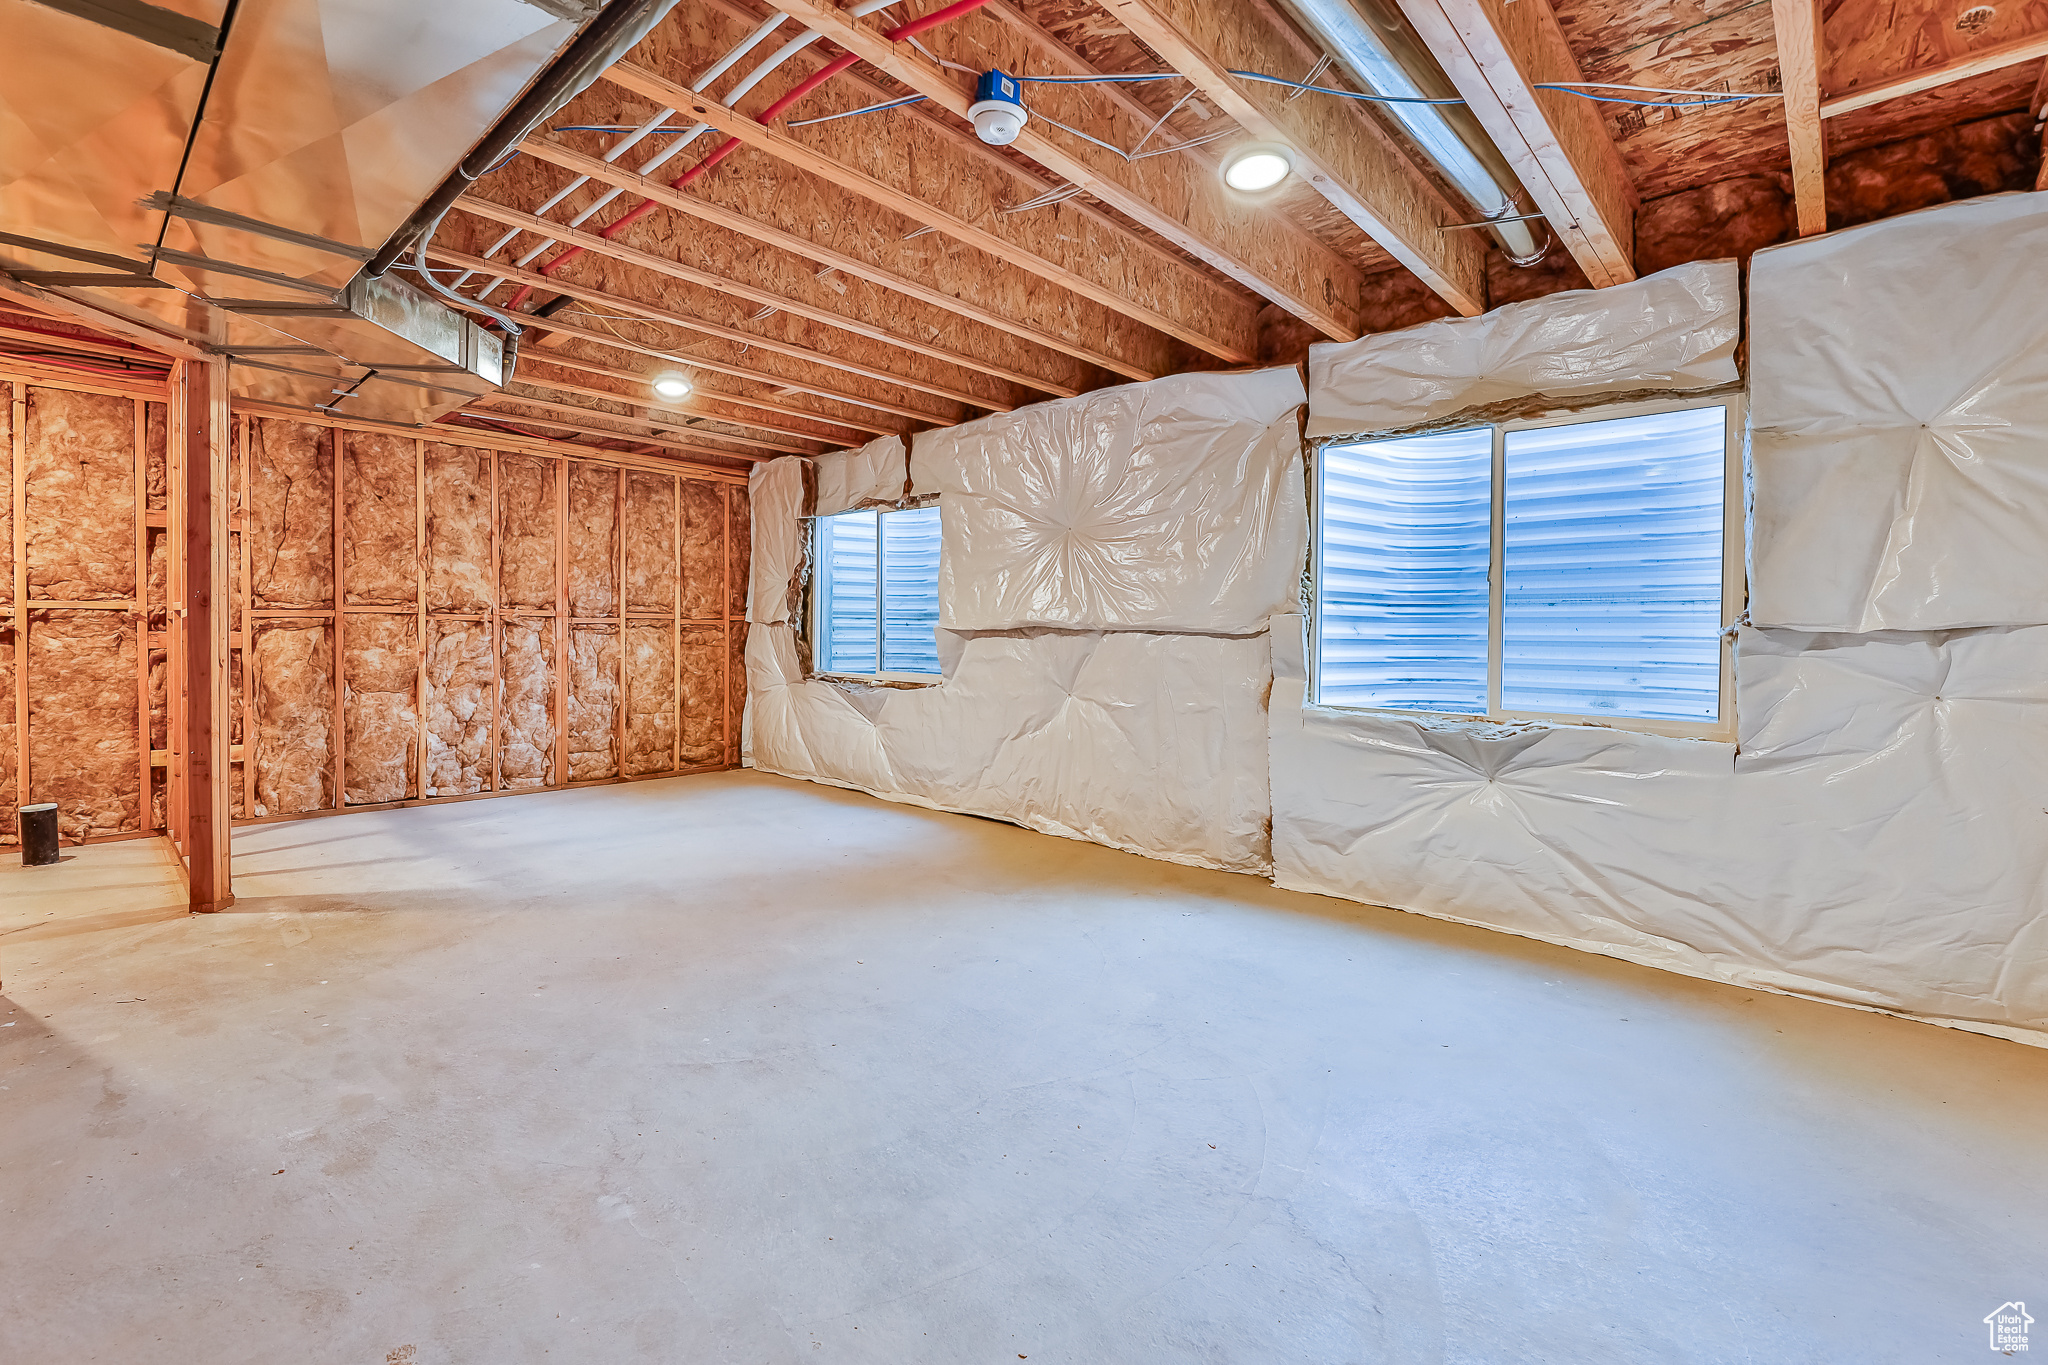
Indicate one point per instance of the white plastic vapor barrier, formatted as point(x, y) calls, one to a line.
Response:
point(1899, 421)
point(1673, 330)
point(1150, 743)
point(1876, 842)
point(778, 492)
point(866, 476)
point(1175, 504)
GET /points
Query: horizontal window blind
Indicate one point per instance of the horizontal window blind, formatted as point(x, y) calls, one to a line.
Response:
point(910, 591)
point(848, 608)
point(1406, 533)
point(877, 592)
point(1611, 537)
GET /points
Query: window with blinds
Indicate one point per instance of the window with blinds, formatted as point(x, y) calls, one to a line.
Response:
point(876, 607)
point(1571, 569)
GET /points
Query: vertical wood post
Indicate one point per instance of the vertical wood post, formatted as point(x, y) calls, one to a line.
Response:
point(202, 622)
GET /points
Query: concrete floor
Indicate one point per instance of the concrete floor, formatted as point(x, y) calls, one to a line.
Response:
point(734, 1068)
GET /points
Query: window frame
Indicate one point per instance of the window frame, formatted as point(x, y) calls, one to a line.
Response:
point(1734, 560)
point(818, 598)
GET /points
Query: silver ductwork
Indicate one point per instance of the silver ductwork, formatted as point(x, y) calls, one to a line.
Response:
point(224, 172)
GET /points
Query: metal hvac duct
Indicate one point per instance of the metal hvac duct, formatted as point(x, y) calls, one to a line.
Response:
point(222, 170)
point(1379, 50)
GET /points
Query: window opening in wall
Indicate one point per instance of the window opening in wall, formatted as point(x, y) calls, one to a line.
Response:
point(876, 604)
point(1575, 568)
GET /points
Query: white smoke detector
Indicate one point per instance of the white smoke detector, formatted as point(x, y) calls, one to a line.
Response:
point(998, 111)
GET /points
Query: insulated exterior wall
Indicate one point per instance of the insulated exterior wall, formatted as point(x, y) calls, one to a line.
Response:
point(82, 719)
point(593, 702)
point(526, 744)
point(1898, 423)
point(1874, 839)
point(1109, 566)
point(379, 560)
point(74, 604)
point(78, 496)
point(483, 597)
point(380, 671)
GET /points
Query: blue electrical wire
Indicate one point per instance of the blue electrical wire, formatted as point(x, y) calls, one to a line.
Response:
point(868, 109)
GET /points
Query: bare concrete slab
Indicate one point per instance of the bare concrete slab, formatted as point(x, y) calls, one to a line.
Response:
point(733, 1068)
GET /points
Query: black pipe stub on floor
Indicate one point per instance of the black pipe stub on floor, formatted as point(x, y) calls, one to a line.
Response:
point(39, 834)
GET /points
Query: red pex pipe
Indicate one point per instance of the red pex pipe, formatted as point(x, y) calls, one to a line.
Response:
point(726, 148)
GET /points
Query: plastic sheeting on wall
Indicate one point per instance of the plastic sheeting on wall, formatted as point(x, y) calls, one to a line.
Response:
point(1898, 419)
point(878, 472)
point(779, 495)
point(1875, 842)
point(1676, 329)
point(1175, 504)
point(1151, 743)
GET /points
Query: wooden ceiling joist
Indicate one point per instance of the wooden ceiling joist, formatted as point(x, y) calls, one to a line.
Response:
point(1140, 285)
point(1496, 52)
point(644, 415)
point(1362, 172)
point(897, 280)
point(644, 425)
point(661, 265)
point(2027, 49)
point(601, 432)
point(704, 392)
point(1798, 28)
point(1167, 195)
point(651, 313)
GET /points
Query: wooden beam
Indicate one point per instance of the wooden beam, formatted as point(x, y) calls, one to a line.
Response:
point(1226, 328)
point(720, 332)
point(603, 171)
point(114, 324)
point(653, 314)
point(568, 362)
point(1798, 27)
point(1363, 174)
point(2027, 49)
point(474, 411)
point(661, 265)
point(202, 624)
point(701, 393)
point(1496, 52)
point(650, 423)
point(1166, 195)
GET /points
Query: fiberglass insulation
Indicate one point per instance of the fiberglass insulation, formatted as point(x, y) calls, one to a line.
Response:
point(526, 706)
point(1873, 838)
point(379, 562)
point(458, 720)
point(78, 496)
point(294, 706)
point(83, 749)
point(379, 665)
point(1109, 565)
point(593, 702)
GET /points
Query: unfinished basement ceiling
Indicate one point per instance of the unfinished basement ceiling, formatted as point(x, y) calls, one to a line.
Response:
point(824, 282)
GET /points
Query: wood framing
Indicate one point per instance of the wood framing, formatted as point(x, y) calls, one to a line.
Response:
point(1797, 23)
point(199, 408)
point(666, 318)
point(1496, 52)
point(2027, 49)
point(781, 302)
point(703, 394)
point(1212, 319)
point(898, 280)
point(1166, 195)
point(654, 313)
point(1358, 169)
point(653, 423)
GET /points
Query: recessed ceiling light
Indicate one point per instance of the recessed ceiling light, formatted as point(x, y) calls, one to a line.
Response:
point(672, 386)
point(1257, 167)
